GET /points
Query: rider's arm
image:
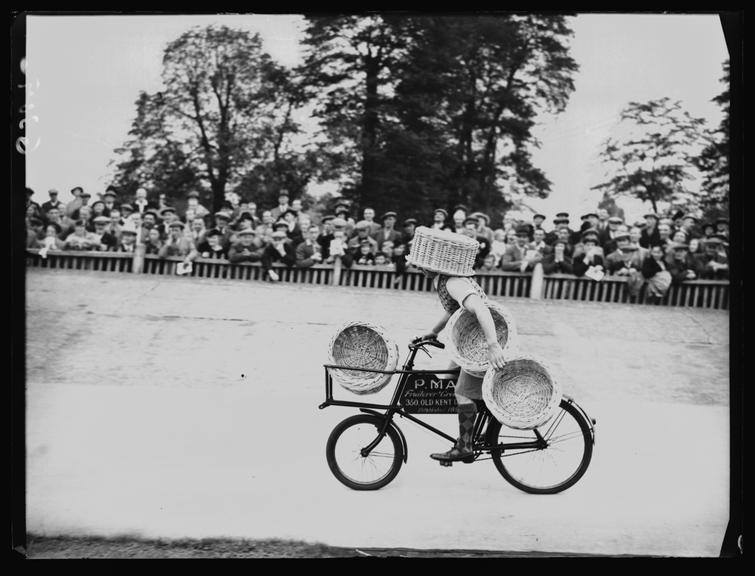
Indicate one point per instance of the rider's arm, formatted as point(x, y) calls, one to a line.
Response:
point(477, 305)
point(440, 325)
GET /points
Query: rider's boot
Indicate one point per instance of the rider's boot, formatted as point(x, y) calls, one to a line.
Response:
point(462, 451)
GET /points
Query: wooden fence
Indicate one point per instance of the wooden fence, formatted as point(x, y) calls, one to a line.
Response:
point(712, 294)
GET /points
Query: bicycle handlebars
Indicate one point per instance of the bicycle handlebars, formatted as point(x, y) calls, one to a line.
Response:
point(420, 341)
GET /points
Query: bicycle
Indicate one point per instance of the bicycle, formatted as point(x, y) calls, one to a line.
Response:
point(366, 451)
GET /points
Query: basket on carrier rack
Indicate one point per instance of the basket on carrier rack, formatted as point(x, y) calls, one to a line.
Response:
point(367, 346)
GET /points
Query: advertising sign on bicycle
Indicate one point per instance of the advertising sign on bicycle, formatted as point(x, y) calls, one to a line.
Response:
point(428, 393)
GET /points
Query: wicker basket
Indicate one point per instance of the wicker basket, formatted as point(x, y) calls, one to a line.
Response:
point(523, 395)
point(443, 251)
point(468, 345)
point(362, 345)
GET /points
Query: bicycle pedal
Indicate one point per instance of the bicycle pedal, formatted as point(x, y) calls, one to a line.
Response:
point(447, 463)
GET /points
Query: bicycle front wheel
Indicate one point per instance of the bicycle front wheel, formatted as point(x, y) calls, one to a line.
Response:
point(349, 461)
point(561, 460)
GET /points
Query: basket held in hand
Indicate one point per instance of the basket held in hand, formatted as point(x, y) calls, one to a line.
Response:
point(523, 395)
point(362, 345)
point(468, 345)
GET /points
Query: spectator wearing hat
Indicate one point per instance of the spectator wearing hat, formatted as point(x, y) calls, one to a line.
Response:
point(83, 207)
point(246, 248)
point(589, 257)
point(326, 235)
point(72, 206)
point(713, 261)
point(280, 250)
point(85, 214)
point(362, 230)
point(579, 247)
point(439, 219)
point(625, 258)
point(53, 202)
point(363, 254)
point(168, 216)
point(99, 209)
point(343, 212)
point(470, 229)
point(178, 245)
point(126, 210)
point(537, 222)
point(649, 234)
point(283, 205)
point(193, 203)
point(708, 229)
point(338, 247)
point(607, 238)
point(107, 241)
point(127, 241)
point(409, 225)
point(482, 225)
point(309, 251)
point(388, 231)
point(293, 230)
point(656, 274)
point(222, 225)
point(518, 258)
point(559, 222)
point(681, 265)
point(557, 260)
point(81, 238)
point(109, 199)
point(694, 247)
point(140, 203)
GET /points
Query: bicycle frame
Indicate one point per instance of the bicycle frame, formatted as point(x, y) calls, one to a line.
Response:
point(394, 407)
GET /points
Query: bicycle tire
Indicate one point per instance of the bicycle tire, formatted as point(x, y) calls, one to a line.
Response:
point(583, 438)
point(370, 427)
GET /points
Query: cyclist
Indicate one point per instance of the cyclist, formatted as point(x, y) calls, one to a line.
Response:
point(451, 272)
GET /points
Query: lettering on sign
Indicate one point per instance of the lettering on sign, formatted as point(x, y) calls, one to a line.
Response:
point(428, 393)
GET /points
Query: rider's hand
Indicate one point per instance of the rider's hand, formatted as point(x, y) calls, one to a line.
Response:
point(495, 355)
point(429, 336)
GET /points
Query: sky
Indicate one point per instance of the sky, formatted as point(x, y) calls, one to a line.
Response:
point(84, 74)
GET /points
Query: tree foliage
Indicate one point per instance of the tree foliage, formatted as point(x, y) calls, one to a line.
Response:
point(428, 111)
point(653, 157)
point(713, 161)
point(226, 110)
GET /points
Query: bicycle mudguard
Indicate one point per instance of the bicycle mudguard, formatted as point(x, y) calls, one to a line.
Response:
point(392, 424)
point(591, 422)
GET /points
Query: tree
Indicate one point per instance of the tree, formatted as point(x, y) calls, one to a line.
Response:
point(428, 111)
point(653, 158)
point(225, 109)
point(347, 71)
point(713, 161)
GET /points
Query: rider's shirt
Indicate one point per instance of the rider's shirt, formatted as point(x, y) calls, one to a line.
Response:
point(451, 298)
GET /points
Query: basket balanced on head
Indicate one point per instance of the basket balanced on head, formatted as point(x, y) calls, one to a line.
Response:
point(467, 340)
point(443, 251)
point(523, 395)
point(362, 345)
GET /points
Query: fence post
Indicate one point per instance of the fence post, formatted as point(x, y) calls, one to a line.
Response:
point(537, 283)
point(336, 281)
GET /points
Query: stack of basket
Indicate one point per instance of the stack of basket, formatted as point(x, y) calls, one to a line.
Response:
point(362, 345)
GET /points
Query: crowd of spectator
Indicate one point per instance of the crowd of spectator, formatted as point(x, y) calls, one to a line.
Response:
point(659, 251)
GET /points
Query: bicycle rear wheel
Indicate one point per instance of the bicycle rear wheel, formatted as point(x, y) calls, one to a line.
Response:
point(355, 469)
point(561, 461)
